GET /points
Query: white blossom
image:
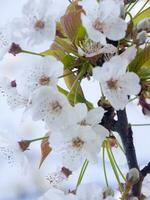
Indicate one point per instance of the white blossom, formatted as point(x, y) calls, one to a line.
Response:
point(5, 42)
point(90, 48)
point(117, 84)
point(102, 22)
point(78, 144)
point(8, 89)
point(37, 24)
point(40, 71)
point(90, 191)
point(49, 105)
point(11, 151)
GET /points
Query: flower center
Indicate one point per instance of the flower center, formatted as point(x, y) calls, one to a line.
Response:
point(56, 107)
point(98, 25)
point(39, 24)
point(112, 84)
point(44, 80)
point(77, 142)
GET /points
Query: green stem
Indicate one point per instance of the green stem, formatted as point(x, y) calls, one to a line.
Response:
point(140, 124)
point(32, 53)
point(114, 167)
point(104, 166)
point(68, 74)
point(120, 146)
point(37, 139)
point(132, 6)
point(77, 79)
point(142, 8)
point(116, 164)
point(82, 172)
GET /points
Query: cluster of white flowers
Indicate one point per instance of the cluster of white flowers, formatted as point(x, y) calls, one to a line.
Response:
point(74, 131)
point(82, 193)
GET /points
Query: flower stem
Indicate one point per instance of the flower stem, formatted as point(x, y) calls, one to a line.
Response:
point(113, 166)
point(140, 124)
point(41, 138)
point(104, 166)
point(82, 172)
point(142, 8)
point(115, 162)
point(32, 53)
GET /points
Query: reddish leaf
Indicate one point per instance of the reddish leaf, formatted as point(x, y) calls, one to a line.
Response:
point(45, 150)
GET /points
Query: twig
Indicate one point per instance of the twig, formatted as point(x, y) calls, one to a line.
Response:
point(145, 171)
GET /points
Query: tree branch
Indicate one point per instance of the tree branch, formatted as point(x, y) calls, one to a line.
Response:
point(145, 171)
point(126, 135)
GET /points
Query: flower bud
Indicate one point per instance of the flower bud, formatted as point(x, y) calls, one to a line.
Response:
point(107, 192)
point(15, 49)
point(24, 144)
point(133, 176)
point(141, 37)
point(144, 25)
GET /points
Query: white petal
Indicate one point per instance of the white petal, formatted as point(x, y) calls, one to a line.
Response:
point(105, 11)
point(115, 29)
point(93, 34)
point(80, 112)
point(117, 98)
point(129, 53)
point(101, 132)
point(130, 83)
point(95, 115)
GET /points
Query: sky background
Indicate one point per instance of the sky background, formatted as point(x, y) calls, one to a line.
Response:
point(15, 184)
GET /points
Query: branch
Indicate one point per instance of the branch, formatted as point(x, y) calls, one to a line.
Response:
point(126, 135)
point(145, 171)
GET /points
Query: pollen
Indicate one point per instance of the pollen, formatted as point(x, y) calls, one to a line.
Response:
point(98, 25)
point(77, 142)
point(44, 80)
point(39, 24)
point(56, 107)
point(112, 84)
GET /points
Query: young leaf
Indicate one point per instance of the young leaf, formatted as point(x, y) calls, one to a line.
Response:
point(144, 14)
point(141, 58)
point(79, 99)
point(45, 150)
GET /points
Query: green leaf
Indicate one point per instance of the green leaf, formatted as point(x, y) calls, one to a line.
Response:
point(144, 14)
point(70, 81)
point(79, 99)
point(80, 35)
point(68, 61)
point(66, 45)
point(141, 58)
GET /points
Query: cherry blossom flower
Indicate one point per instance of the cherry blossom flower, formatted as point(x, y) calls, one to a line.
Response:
point(102, 22)
point(91, 191)
point(117, 84)
point(58, 178)
point(8, 89)
point(90, 48)
point(37, 24)
point(11, 151)
point(90, 119)
point(49, 105)
point(42, 71)
point(5, 42)
point(77, 144)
